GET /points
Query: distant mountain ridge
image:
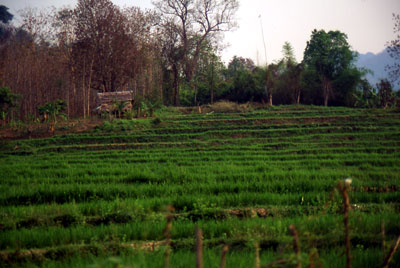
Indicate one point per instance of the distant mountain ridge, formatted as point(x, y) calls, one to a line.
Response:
point(376, 63)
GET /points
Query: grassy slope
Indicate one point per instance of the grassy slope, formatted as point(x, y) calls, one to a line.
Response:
point(241, 177)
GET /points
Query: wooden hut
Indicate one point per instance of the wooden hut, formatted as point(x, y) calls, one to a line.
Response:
point(105, 101)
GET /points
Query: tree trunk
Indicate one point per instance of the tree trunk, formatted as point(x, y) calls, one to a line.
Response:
point(270, 99)
point(212, 82)
point(298, 97)
point(84, 90)
point(67, 99)
point(89, 86)
point(176, 85)
point(327, 89)
point(326, 99)
point(194, 88)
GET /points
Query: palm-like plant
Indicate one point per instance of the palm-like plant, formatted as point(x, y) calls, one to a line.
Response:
point(118, 107)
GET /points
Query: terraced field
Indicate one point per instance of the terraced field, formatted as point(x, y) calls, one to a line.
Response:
point(77, 199)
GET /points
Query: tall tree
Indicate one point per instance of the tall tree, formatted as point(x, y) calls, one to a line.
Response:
point(64, 26)
point(102, 41)
point(172, 54)
point(290, 91)
point(239, 64)
point(394, 51)
point(385, 93)
point(5, 16)
point(288, 53)
point(142, 52)
point(31, 63)
point(292, 81)
point(196, 22)
point(209, 75)
point(100, 48)
point(328, 55)
point(274, 73)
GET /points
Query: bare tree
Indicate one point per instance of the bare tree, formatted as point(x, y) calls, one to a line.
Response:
point(64, 26)
point(31, 64)
point(70, 54)
point(99, 48)
point(394, 51)
point(142, 51)
point(172, 52)
point(194, 22)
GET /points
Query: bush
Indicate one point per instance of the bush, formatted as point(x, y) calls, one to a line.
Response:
point(51, 110)
point(8, 101)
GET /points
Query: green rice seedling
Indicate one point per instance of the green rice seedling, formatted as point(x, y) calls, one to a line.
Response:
point(238, 176)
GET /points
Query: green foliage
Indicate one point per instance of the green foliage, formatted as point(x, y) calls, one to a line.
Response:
point(7, 99)
point(247, 86)
point(119, 107)
point(386, 95)
point(366, 96)
point(240, 177)
point(8, 102)
point(146, 106)
point(51, 110)
point(328, 53)
point(329, 70)
point(186, 95)
point(209, 77)
point(238, 64)
point(288, 53)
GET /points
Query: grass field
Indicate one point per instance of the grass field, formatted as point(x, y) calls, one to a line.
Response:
point(79, 199)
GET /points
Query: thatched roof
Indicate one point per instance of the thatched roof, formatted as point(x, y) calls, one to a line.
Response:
point(109, 97)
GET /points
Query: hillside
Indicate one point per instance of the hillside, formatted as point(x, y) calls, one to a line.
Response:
point(376, 63)
point(74, 200)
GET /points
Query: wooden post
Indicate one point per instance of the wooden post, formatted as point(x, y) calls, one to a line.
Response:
point(383, 239)
point(343, 186)
point(296, 244)
point(223, 255)
point(393, 250)
point(257, 253)
point(167, 234)
point(199, 248)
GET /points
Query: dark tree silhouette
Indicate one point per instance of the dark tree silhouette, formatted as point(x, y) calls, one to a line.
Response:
point(394, 51)
point(5, 16)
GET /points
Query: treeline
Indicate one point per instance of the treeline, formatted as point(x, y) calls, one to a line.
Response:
point(168, 56)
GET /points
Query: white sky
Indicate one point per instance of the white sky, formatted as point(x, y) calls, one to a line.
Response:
point(367, 23)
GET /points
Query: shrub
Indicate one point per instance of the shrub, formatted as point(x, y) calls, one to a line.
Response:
point(51, 110)
point(8, 101)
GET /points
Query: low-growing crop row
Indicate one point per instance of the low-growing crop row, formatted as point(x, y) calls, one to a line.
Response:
point(241, 177)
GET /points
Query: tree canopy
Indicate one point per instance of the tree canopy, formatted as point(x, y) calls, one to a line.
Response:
point(5, 16)
point(394, 51)
point(169, 55)
point(328, 60)
point(194, 23)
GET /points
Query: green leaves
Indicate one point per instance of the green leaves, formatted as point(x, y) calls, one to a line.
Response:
point(7, 98)
point(329, 59)
point(329, 53)
point(52, 109)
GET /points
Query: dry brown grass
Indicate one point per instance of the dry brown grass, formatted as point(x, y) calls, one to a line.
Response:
point(227, 107)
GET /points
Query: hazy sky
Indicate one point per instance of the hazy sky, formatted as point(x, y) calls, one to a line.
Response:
point(367, 23)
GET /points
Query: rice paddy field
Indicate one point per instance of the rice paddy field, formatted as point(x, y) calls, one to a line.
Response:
point(102, 198)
